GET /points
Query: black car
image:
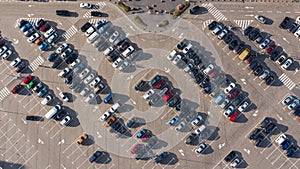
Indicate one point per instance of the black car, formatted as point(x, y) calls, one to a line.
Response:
point(191, 54)
point(253, 64)
point(258, 70)
point(63, 12)
point(293, 28)
point(254, 34)
point(233, 44)
point(291, 151)
point(60, 115)
point(123, 46)
point(69, 79)
point(71, 58)
point(140, 85)
point(34, 118)
point(116, 125)
point(199, 78)
point(239, 49)
point(265, 123)
point(159, 158)
point(260, 39)
point(174, 101)
point(131, 123)
point(285, 24)
point(255, 133)
point(247, 30)
point(39, 24)
point(181, 45)
point(56, 62)
point(238, 100)
point(195, 9)
point(95, 156)
point(259, 139)
point(270, 79)
point(228, 37)
point(204, 83)
point(85, 27)
point(52, 57)
point(22, 23)
point(197, 61)
point(96, 13)
point(297, 112)
point(191, 138)
point(274, 55)
point(194, 72)
point(212, 25)
point(270, 127)
point(230, 156)
point(20, 67)
point(113, 57)
point(207, 89)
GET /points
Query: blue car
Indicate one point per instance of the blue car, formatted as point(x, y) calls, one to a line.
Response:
point(161, 157)
point(43, 46)
point(297, 112)
point(43, 92)
point(173, 121)
point(141, 133)
point(108, 98)
point(155, 80)
point(25, 27)
point(286, 144)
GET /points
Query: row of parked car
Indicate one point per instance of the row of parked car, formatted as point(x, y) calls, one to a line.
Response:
point(32, 31)
point(265, 43)
point(291, 25)
point(118, 48)
point(292, 103)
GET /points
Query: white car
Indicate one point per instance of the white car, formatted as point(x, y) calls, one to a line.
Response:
point(298, 19)
point(208, 69)
point(243, 107)
point(85, 5)
point(297, 33)
point(235, 162)
point(200, 129)
point(64, 97)
point(96, 81)
point(84, 73)
point(64, 72)
point(114, 36)
point(265, 43)
point(123, 65)
point(148, 94)
point(223, 33)
point(229, 88)
point(177, 59)
point(47, 99)
point(264, 75)
point(171, 55)
point(85, 91)
point(114, 107)
point(187, 48)
point(49, 32)
point(62, 48)
point(117, 63)
point(108, 50)
point(89, 31)
point(287, 63)
point(3, 49)
point(180, 126)
point(128, 51)
point(66, 120)
point(280, 139)
point(7, 54)
point(75, 63)
point(15, 62)
point(89, 78)
point(228, 111)
point(33, 37)
point(188, 67)
point(105, 116)
point(281, 59)
point(201, 148)
point(198, 119)
point(90, 98)
point(260, 18)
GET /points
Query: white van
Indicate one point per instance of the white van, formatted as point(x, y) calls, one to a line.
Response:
point(94, 36)
point(114, 107)
point(53, 111)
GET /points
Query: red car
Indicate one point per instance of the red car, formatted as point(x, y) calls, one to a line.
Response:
point(234, 116)
point(233, 94)
point(168, 96)
point(28, 79)
point(45, 27)
point(213, 73)
point(145, 137)
point(135, 149)
point(16, 89)
point(159, 84)
point(248, 60)
point(269, 50)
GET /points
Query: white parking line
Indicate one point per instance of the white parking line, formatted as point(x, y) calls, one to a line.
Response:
point(23, 164)
point(56, 132)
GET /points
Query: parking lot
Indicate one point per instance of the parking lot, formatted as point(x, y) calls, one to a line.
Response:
point(36, 144)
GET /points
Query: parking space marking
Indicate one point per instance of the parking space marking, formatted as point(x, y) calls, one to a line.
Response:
point(206, 23)
point(287, 81)
point(243, 24)
point(23, 164)
point(36, 63)
point(100, 5)
point(70, 33)
point(214, 11)
point(4, 93)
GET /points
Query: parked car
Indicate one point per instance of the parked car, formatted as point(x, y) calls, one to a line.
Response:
point(261, 19)
point(288, 62)
point(47, 99)
point(43, 92)
point(201, 148)
point(173, 121)
point(16, 89)
point(288, 100)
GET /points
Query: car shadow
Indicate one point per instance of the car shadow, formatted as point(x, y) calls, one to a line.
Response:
point(208, 150)
point(71, 97)
point(125, 108)
point(171, 159)
point(138, 122)
point(241, 119)
point(104, 159)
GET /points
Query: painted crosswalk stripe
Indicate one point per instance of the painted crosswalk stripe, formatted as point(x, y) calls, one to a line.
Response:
point(98, 6)
point(70, 32)
point(3, 93)
point(94, 21)
point(243, 23)
point(214, 11)
point(206, 23)
point(31, 20)
point(287, 81)
point(36, 63)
